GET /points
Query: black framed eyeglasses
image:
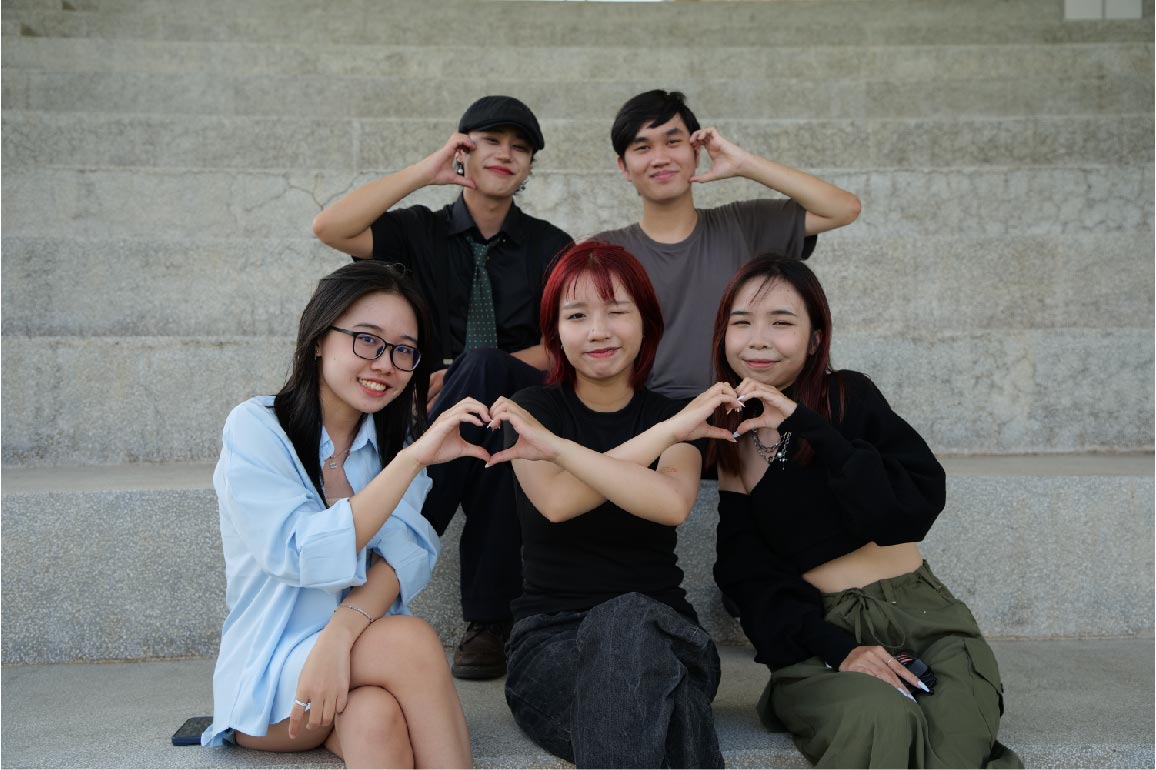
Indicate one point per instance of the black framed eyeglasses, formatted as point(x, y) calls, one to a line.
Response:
point(371, 347)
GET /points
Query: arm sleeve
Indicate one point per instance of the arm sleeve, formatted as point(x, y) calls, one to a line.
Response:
point(392, 234)
point(781, 613)
point(775, 226)
point(409, 544)
point(276, 513)
point(888, 483)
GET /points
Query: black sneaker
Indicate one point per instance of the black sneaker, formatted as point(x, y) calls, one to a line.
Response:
point(481, 653)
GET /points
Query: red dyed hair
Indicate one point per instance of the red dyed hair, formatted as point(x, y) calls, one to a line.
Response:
point(812, 386)
point(603, 262)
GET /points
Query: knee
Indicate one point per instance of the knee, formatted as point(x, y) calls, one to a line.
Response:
point(412, 642)
point(483, 362)
point(885, 713)
point(375, 717)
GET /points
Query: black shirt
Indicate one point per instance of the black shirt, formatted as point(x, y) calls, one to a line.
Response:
point(872, 479)
point(605, 552)
point(433, 248)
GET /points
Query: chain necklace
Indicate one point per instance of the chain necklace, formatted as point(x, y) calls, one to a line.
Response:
point(332, 461)
point(775, 453)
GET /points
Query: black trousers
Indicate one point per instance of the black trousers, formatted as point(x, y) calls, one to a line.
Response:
point(491, 543)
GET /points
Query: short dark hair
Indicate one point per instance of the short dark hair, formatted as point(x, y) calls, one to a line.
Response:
point(649, 109)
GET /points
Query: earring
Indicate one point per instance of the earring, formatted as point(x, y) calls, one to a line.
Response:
point(459, 168)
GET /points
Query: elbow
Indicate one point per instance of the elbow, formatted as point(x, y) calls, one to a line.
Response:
point(677, 508)
point(852, 207)
point(323, 228)
point(555, 514)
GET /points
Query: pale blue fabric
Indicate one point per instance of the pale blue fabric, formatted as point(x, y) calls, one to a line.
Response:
point(290, 560)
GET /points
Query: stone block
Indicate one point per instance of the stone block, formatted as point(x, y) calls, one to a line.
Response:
point(1018, 517)
point(321, 96)
point(118, 203)
point(582, 61)
point(236, 286)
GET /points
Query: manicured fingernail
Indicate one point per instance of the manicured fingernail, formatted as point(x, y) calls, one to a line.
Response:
point(922, 686)
point(735, 434)
point(742, 398)
point(904, 693)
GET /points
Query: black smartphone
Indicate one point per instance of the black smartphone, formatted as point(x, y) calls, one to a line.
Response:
point(189, 734)
point(920, 669)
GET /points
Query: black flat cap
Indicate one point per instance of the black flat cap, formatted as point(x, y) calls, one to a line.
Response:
point(494, 111)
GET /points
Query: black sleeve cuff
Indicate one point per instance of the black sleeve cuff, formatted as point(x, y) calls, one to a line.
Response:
point(829, 444)
point(829, 642)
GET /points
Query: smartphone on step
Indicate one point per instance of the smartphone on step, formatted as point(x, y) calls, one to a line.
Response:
point(189, 734)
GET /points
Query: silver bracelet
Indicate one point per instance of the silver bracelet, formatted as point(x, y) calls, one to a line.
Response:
point(355, 609)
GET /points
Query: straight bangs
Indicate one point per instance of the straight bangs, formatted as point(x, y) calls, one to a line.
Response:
point(602, 263)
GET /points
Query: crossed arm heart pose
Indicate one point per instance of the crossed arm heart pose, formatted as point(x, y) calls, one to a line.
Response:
point(603, 633)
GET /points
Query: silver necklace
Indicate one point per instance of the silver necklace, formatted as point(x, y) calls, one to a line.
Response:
point(333, 459)
point(776, 453)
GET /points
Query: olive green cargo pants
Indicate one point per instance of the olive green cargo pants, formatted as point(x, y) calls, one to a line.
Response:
point(850, 719)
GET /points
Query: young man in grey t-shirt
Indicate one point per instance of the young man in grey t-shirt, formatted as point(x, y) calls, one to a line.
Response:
point(690, 254)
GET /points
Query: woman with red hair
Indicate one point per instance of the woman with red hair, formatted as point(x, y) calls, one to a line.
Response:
point(608, 666)
point(822, 504)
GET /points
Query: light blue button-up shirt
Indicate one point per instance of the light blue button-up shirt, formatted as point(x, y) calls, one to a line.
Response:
point(290, 560)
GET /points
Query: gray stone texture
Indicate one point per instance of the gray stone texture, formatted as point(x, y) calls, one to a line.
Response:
point(581, 61)
point(164, 399)
point(321, 96)
point(110, 287)
point(1070, 703)
point(71, 139)
point(969, 202)
point(415, 22)
point(146, 578)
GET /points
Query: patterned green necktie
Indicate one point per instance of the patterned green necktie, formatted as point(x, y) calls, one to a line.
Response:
point(481, 327)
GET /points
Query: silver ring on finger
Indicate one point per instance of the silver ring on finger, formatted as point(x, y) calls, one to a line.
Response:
point(302, 704)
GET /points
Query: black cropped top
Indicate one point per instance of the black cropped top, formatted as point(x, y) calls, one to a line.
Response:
point(872, 478)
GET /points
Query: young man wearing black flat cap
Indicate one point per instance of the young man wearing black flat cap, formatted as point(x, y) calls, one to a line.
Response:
point(481, 263)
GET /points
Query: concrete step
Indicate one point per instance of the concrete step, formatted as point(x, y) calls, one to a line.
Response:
point(1051, 534)
point(59, 286)
point(583, 61)
point(966, 202)
point(102, 140)
point(1069, 703)
point(442, 98)
point(409, 22)
point(81, 400)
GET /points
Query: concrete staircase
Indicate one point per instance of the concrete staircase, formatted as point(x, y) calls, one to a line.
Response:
point(163, 160)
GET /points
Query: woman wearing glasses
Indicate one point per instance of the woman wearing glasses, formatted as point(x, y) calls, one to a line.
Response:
point(325, 545)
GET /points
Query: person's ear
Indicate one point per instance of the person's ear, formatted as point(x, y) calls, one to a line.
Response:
point(816, 338)
point(622, 167)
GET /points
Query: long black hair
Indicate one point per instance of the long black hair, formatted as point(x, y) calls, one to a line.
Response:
point(298, 404)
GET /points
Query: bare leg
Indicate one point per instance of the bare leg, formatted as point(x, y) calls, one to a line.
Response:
point(371, 732)
point(403, 655)
point(277, 739)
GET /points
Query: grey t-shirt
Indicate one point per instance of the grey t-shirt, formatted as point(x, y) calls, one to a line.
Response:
point(689, 278)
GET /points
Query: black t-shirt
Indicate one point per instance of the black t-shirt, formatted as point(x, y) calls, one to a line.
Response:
point(605, 552)
point(433, 248)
